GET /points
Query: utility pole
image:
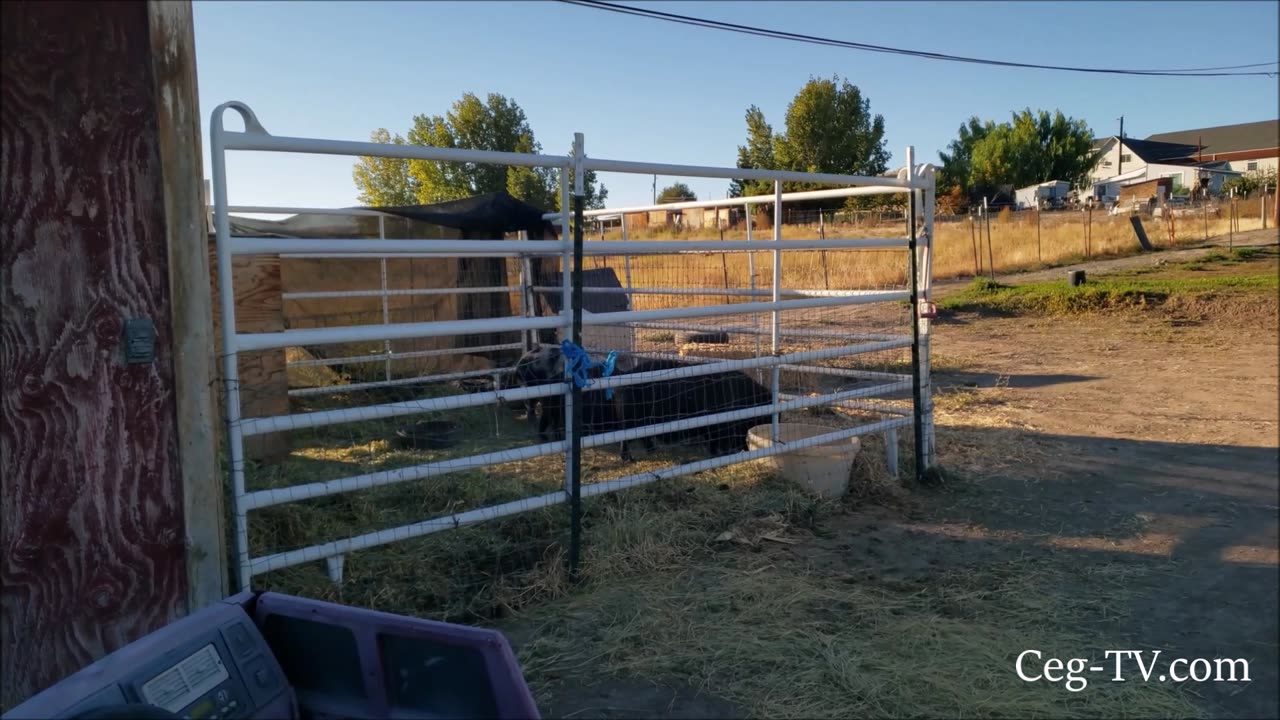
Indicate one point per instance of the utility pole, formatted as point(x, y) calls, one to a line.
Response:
point(655, 189)
point(1120, 164)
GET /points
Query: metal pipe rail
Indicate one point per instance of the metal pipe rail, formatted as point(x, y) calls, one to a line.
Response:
point(410, 355)
point(335, 294)
point(402, 382)
point(274, 210)
point(723, 173)
point(320, 418)
point(395, 256)
point(747, 201)
point(672, 247)
point(256, 138)
point(608, 486)
point(860, 405)
point(719, 366)
point(277, 561)
point(813, 369)
point(630, 316)
point(402, 331)
point(800, 403)
point(731, 292)
point(396, 331)
point(744, 330)
point(277, 423)
point(276, 496)
point(241, 245)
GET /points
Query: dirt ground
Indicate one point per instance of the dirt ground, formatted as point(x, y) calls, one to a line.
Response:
point(1138, 447)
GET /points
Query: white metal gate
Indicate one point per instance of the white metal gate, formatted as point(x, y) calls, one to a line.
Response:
point(915, 181)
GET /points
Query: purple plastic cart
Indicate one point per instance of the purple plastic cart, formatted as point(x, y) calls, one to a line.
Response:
point(267, 655)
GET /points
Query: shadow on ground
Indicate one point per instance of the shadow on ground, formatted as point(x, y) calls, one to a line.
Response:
point(1189, 532)
point(989, 380)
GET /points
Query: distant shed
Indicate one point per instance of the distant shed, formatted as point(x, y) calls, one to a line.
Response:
point(1147, 190)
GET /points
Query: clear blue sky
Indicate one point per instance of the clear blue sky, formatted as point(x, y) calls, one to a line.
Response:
point(642, 89)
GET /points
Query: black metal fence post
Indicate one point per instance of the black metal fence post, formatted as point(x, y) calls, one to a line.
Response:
point(917, 410)
point(575, 429)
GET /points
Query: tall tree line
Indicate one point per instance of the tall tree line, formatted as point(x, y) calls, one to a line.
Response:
point(828, 127)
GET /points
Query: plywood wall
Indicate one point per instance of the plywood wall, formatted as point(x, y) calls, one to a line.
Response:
point(93, 526)
point(264, 382)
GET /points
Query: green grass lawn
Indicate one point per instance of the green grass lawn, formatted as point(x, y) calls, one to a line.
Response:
point(1128, 291)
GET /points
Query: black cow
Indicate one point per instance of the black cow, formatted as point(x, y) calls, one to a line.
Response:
point(545, 366)
point(667, 400)
point(649, 403)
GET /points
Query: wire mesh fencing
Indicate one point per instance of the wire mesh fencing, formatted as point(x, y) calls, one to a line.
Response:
point(389, 385)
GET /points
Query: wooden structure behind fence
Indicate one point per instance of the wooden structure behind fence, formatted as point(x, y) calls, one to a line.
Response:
point(264, 380)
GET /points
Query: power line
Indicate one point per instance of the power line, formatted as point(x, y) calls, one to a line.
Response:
point(815, 40)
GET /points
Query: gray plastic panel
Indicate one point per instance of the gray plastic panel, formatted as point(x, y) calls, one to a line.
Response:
point(120, 676)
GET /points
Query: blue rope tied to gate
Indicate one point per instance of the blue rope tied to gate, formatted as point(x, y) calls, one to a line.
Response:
point(578, 363)
point(607, 369)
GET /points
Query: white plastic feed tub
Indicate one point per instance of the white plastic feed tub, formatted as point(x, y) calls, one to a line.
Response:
point(823, 469)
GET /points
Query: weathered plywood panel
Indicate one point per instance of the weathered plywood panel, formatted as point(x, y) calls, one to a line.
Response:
point(264, 382)
point(92, 509)
point(178, 124)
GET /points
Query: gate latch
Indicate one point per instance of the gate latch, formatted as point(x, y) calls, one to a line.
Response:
point(928, 309)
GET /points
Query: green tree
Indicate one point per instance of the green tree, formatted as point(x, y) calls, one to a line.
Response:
point(757, 154)
point(679, 192)
point(957, 164)
point(594, 193)
point(495, 124)
point(1249, 182)
point(829, 129)
point(1033, 147)
point(384, 181)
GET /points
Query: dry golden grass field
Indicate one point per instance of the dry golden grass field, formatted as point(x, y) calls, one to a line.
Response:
point(960, 249)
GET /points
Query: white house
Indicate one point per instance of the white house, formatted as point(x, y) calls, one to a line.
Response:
point(1134, 161)
point(1122, 159)
point(1191, 157)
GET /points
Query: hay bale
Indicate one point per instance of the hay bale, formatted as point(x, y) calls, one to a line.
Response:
point(310, 375)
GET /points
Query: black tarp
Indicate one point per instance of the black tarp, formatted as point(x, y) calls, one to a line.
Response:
point(486, 216)
point(591, 302)
point(495, 213)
